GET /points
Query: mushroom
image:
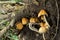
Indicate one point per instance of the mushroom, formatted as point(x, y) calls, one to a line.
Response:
point(33, 20)
point(24, 21)
point(42, 12)
point(45, 25)
point(42, 30)
point(19, 25)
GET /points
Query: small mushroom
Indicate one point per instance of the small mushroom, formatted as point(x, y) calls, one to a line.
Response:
point(42, 30)
point(33, 20)
point(19, 26)
point(44, 27)
point(24, 21)
point(42, 12)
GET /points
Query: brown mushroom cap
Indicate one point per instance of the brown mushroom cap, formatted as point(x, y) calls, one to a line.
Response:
point(33, 20)
point(44, 27)
point(42, 30)
point(24, 21)
point(42, 12)
point(42, 24)
point(19, 26)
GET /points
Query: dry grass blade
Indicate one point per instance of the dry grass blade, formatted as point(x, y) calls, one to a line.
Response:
point(57, 19)
point(6, 28)
point(4, 16)
point(7, 2)
point(4, 21)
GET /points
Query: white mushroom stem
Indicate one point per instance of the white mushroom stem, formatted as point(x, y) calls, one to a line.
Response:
point(43, 36)
point(32, 28)
point(46, 21)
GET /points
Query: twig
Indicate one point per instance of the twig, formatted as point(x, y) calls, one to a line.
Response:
point(57, 19)
point(6, 28)
point(12, 22)
point(43, 36)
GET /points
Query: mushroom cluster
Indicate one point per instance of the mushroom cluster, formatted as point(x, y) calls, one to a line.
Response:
point(43, 25)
